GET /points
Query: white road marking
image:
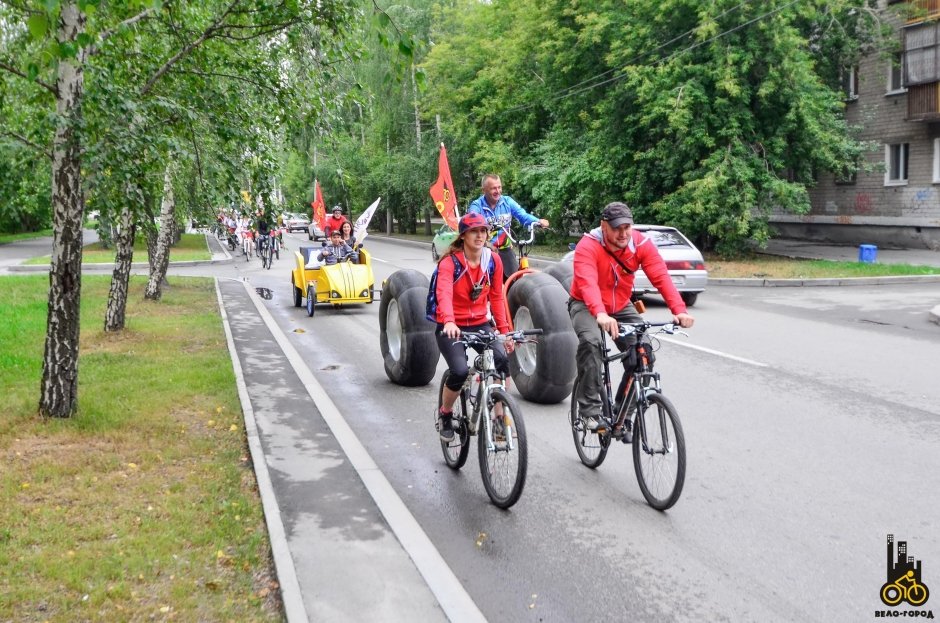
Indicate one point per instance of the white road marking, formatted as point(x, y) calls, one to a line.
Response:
point(711, 351)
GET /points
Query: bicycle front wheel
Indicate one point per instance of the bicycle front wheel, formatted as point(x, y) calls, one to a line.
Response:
point(456, 450)
point(659, 452)
point(591, 447)
point(503, 464)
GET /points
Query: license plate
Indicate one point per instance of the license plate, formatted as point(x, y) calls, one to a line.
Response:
point(679, 280)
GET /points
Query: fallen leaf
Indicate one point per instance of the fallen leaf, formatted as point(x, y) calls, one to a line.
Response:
point(299, 331)
point(164, 609)
point(233, 428)
point(210, 423)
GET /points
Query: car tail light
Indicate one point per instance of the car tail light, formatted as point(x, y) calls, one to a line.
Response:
point(685, 265)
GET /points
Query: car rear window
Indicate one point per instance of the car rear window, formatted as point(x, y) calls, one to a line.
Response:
point(666, 238)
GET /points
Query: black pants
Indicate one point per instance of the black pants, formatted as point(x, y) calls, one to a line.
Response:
point(455, 354)
point(510, 262)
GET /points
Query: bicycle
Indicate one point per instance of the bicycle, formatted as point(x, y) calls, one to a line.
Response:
point(247, 245)
point(265, 251)
point(643, 416)
point(892, 593)
point(277, 243)
point(501, 441)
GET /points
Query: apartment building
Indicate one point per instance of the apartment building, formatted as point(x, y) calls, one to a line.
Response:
point(896, 102)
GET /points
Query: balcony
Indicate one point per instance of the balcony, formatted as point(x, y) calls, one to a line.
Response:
point(922, 10)
point(923, 102)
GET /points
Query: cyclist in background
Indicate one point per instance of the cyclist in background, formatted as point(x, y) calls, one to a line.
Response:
point(263, 228)
point(462, 305)
point(601, 289)
point(499, 210)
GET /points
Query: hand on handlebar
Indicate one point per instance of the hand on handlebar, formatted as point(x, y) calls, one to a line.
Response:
point(608, 324)
point(451, 330)
point(684, 320)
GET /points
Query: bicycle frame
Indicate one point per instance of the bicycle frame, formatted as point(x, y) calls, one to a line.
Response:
point(482, 370)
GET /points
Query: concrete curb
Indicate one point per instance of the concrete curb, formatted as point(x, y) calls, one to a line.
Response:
point(291, 595)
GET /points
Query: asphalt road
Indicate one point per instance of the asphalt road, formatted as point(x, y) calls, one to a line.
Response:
point(812, 420)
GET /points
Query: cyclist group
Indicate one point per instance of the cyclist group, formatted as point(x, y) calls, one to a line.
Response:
point(251, 231)
point(605, 261)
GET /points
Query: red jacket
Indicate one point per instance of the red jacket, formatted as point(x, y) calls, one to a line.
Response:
point(333, 224)
point(602, 284)
point(453, 299)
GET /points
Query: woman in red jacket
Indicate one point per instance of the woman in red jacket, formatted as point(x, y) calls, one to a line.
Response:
point(463, 304)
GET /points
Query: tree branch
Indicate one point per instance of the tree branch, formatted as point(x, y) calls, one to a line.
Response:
point(13, 70)
point(29, 143)
point(188, 48)
point(104, 36)
point(230, 76)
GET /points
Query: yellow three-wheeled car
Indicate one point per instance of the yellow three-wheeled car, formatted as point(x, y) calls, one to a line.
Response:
point(343, 283)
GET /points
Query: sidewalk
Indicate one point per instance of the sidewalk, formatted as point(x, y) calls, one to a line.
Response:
point(344, 545)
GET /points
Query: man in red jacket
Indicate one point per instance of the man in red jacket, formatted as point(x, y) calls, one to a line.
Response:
point(334, 222)
point(604, 262)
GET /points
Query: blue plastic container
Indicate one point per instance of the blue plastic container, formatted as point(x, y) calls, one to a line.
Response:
point(867, 253)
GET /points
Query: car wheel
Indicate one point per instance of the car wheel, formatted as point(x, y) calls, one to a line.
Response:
point(543, 371)
point(311, 299)
point(689, 298)
point(406, 337)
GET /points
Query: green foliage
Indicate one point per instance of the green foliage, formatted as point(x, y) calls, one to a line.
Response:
point(709, 116)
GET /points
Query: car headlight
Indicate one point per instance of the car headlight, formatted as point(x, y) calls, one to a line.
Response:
point(364, 293)
point(334, 294)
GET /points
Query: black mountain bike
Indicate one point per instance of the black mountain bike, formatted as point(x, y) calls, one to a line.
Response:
point(265, 251)
point(484, 408)
point(641, 415)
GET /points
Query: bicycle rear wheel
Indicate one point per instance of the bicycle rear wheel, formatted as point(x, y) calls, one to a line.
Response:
point(659, 452)
point(456, 450)
point(591, 447)
point(503, 469)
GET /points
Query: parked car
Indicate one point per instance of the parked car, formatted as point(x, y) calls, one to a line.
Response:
point(314, 232)
point(296, 221)
point(442, 239)
point(684, 261)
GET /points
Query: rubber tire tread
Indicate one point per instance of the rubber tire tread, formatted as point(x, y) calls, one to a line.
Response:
point(658, 504)
point(522, 448)
point(604, 447)
point(460, 431)
point(556, 348)
point(417, 361)
point(563, 272)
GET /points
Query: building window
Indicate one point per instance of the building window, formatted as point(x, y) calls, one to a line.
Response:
point(850, 82)
point(896, 158)
point(936, 161)
point(920, 54)
point(895, 83)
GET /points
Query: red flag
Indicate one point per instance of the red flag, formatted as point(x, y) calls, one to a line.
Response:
point(442, 192)
point(319, 208)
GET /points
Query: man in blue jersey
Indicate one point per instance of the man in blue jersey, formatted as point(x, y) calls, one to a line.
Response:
point(499, 210)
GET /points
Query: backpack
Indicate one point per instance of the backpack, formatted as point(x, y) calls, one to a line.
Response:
point(487, 259)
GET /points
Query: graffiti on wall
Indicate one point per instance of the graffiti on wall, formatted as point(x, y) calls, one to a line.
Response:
point(921, 202)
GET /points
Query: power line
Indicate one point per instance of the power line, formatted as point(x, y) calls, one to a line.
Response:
point(562, 94)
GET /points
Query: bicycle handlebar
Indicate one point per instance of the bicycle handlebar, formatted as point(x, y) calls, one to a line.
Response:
point(639, 328)
point(486, 338)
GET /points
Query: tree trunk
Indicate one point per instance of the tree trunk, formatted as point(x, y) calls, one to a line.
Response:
point(117, 298)
point(164, 237)
point(59, 385)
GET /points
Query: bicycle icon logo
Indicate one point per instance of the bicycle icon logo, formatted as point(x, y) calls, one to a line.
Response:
point(915, 593)
point(904, 581)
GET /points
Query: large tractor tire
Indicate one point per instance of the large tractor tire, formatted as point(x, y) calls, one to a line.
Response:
point(563, 272)
point(543, 371)
point(409, 348)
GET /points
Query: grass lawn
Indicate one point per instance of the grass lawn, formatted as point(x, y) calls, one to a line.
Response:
point(144, 505)
point(191, 247)
point(7, 238)
point(759, 266)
